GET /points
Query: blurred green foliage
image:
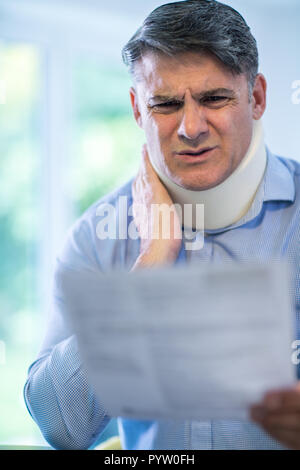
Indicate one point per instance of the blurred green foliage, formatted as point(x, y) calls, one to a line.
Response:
point(106, 140)
point(106, 146)
point(19, 235)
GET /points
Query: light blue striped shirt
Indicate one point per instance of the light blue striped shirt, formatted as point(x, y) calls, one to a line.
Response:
point(57, 392)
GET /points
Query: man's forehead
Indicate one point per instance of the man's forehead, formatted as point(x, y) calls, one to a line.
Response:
point(161, 75)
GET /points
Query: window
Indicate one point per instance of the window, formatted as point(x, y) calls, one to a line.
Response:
point(106, 142)
point(20, 168)
point(62, 147)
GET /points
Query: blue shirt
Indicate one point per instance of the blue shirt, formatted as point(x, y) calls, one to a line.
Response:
point(57, 392)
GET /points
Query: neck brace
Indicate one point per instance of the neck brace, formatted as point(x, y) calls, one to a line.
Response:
point(228, 202)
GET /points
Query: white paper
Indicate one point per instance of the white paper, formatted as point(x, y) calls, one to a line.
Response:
point(186, 342)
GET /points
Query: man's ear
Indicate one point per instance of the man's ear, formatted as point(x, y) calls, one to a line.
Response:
point(135, 106)
point(259, 96)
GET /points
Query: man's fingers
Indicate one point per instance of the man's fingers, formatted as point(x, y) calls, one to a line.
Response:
point(281, 425)
point(283, 400)
point(288, 438)
point(289, 421)
point(146, 165)
point(145, 159)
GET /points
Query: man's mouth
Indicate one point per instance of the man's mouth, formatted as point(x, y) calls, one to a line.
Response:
point(195, 153)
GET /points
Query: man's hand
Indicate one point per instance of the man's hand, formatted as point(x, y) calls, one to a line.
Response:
point(160, 239)
point(279, 415)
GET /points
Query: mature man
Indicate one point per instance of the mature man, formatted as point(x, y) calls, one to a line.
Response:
point(198, 96)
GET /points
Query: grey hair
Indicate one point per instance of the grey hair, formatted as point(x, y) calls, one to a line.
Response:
point(204, 26)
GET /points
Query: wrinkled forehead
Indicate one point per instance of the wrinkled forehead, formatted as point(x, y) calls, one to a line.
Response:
point(157, 73)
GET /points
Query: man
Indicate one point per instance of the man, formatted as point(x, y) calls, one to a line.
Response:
point(198, 96)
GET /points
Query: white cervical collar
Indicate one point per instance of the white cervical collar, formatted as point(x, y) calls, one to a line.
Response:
point(228, 202)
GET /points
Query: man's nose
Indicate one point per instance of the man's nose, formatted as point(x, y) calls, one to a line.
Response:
point(193, 123)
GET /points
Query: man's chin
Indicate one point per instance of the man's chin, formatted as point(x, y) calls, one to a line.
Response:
point(199, 177)
point(196, 184)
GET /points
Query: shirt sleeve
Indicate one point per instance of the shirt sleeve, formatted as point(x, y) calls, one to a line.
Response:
point(57, 393)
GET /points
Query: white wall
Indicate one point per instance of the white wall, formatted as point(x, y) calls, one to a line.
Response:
point(276, 26)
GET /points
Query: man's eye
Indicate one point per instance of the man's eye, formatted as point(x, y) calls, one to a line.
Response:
point(167, 106)
point(215, 100)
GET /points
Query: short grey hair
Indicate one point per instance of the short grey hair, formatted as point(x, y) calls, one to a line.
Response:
point(204, 26)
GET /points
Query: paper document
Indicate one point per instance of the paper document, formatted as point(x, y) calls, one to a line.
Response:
point(183, 342)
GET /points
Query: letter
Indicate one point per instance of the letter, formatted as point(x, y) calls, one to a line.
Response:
point(161, 214)
point(122, 211)
point(198, 233)
point(133, 232)
point(169, 459)
point(109, 221)
point(151, 457)
point(295, 354)
point(107, 460)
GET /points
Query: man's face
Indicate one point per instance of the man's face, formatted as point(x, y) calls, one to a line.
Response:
point(196, 115)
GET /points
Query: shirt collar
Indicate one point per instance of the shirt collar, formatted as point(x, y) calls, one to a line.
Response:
point(278, 181)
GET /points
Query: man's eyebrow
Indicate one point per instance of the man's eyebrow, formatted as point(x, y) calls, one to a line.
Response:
point(164, 98)
point(217, 91)
point(205, 94)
